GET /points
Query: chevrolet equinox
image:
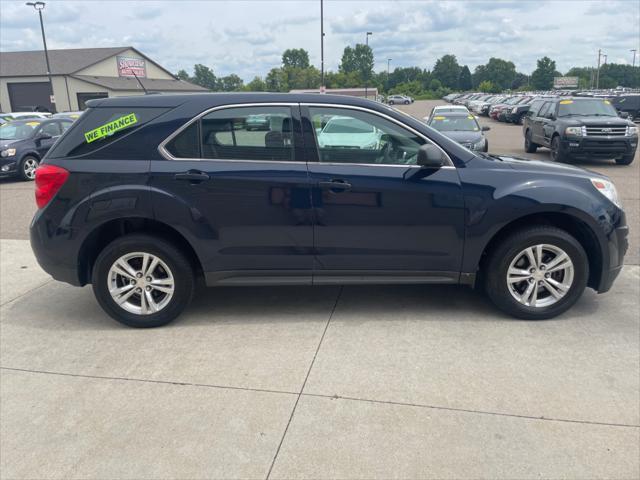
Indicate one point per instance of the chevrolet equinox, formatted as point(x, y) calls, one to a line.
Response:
point(143, 196)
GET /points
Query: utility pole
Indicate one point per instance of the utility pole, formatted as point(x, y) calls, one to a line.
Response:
point(366, 80)
point(634, 57)
point(39, 6)
point(600, 54)
point(388, 63)
point(322, 90)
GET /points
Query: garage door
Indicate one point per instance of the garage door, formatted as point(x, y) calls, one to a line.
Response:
point(30, 96)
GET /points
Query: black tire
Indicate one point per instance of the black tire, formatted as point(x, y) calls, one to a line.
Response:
point(391, 102)
point(174, 258)
point(556, 150)
point(406, 102)
point(529, 146)
point(26, 168)
point(498, 261)
point(626, 160)
point(486, 146)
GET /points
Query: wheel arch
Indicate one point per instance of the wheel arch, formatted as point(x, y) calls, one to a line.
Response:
point(105, 233)
point(573, 225)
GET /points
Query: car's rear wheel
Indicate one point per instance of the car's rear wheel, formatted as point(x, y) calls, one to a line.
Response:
point(529, 146)
point(27, 168)
point(536, 273)
point(142, 281)
point(391, 102)
point(406, 102)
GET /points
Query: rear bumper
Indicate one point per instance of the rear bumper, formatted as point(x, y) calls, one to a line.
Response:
point(592, 147)
point(53, 256)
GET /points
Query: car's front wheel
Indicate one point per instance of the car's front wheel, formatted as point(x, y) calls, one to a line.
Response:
point(556, 150)
point(536, 273)
point(142, 281)
point(529, 146)
point(27, 168)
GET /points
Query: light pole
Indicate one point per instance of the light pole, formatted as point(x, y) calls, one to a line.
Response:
point(39, 6)
point(321, 47)
point(366, 79)
point(388, 63)
point(600, 54)
point(634, 57)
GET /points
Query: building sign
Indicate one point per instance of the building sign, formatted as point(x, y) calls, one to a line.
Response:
point(565, 82)
point(131, 67)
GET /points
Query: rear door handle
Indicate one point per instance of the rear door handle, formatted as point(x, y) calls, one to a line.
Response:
point(335, 185)
point(192, 176)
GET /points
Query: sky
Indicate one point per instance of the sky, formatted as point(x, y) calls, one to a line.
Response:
point(248, 37)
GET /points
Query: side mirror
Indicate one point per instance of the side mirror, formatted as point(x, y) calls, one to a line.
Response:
point(44, 136)
point(485, 129)
point(550, 116)
point(623, 114)
point(430, 156)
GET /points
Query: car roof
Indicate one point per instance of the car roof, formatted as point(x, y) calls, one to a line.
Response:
point(208, 100)
point(24, 121)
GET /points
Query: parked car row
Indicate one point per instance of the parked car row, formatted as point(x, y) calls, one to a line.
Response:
point(25, 137)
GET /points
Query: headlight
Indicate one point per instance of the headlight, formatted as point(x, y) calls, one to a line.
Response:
point(631, 131)
point(514, 109)
point(480, 144)
point(577, 131)
point(9, 152)
point(608, 189)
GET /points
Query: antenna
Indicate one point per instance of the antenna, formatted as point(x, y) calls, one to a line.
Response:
point(145, 90)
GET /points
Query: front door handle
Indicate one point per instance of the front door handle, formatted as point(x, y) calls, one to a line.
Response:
point(335, 185)
point(193, 176)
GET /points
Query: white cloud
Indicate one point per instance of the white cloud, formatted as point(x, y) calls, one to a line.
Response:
point(248, 37)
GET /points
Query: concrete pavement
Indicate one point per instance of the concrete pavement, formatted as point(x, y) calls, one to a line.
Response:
point(321, 382)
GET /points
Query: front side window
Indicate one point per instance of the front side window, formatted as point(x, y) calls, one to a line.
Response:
point(353, 136)
point(52, 129)
point(239, 133)
point(17, 130)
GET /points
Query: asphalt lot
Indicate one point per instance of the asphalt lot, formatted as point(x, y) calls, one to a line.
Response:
point(317, 382)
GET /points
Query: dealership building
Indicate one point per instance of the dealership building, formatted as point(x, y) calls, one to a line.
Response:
point(79, 75)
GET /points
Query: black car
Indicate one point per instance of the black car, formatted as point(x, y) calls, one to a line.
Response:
point(461, 127)
point(23, 143)
point(628, 104)
point(142, 196)
point(575, 128)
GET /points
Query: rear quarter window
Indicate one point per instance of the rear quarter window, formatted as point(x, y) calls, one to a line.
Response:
point(99, 127)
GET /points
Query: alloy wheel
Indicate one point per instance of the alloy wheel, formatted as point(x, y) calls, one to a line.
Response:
point(29, 168)
point(540, 276)
point(141, 283)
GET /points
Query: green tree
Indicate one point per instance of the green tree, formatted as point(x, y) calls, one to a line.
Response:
point(256, 85)
point(276, 80)
point(447, 71)
point(520, 81)
point(435, 84)
point(183, 75)
point(487, 87)
point(357, 60)
point(542, 76)
point(231, 83)
point(295, 58)
point(204, 77)
point(464, 80)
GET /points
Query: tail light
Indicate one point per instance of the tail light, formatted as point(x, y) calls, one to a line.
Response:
point(49, 179)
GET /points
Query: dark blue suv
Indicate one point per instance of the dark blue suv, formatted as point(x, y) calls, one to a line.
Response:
point(144, 195)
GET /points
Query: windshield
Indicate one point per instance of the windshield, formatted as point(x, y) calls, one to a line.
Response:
point(17, 131)
point(586, 107)
point(347, 125)
point(459, 123)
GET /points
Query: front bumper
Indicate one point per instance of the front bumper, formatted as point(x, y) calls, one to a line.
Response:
point(599, 147)
point(617, 248)
point(8, 166)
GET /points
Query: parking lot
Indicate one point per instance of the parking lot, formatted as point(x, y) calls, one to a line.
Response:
point(319, 382)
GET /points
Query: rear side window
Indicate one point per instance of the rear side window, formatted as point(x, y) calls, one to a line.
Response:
point(242, 133)
point(535, 107)
point(99, 127)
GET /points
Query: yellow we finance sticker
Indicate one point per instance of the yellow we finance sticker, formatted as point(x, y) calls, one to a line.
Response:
point(438, 118)
point(110, 128)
